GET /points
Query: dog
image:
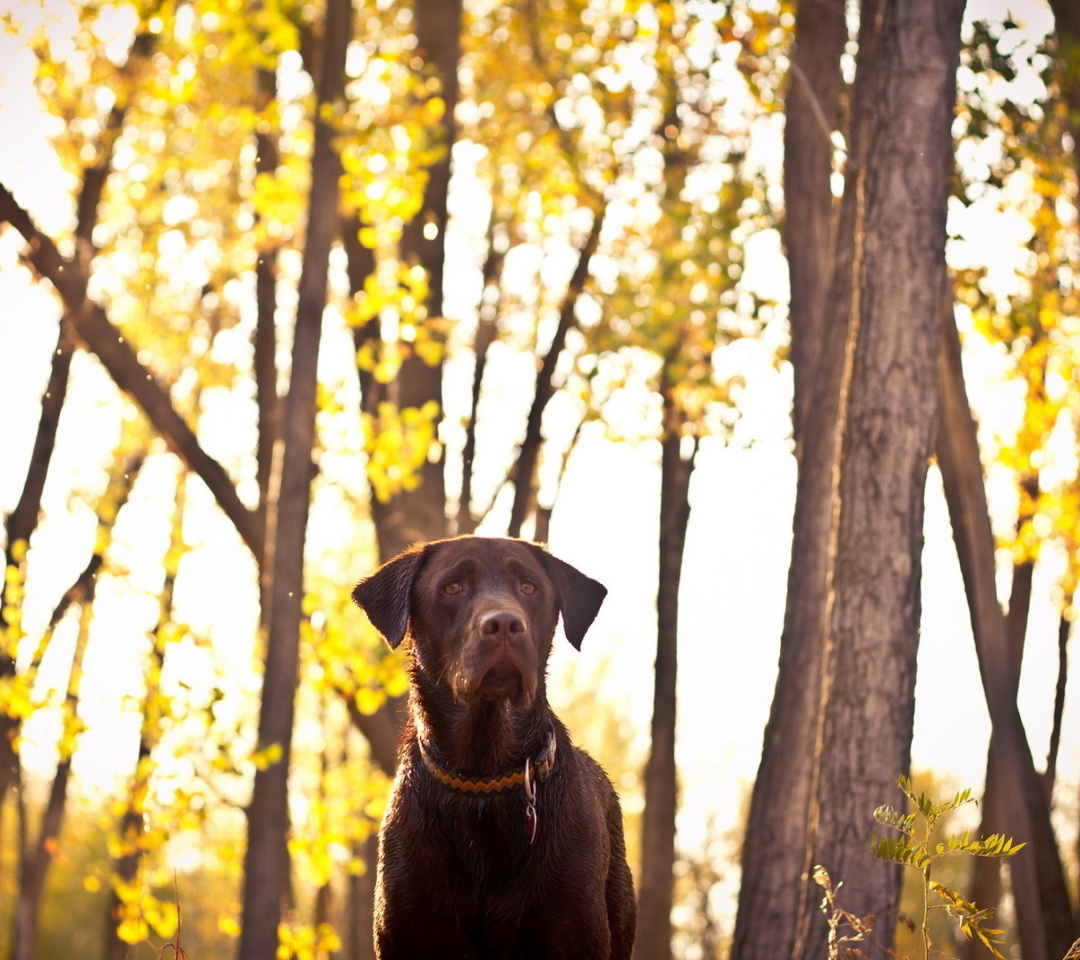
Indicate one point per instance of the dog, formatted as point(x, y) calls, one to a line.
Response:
point(501, 839)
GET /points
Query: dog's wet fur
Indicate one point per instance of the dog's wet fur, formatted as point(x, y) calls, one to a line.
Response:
point(461, 875)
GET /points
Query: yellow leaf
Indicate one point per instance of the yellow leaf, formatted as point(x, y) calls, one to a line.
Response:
point(133, 930)
point(369, 700)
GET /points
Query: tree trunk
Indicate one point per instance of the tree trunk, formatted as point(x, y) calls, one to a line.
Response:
point(1039, 890)
point(420, 514)
point(890, 294)
point(23, 520)
point(21, 523)
point(774, 848)
point(985, 889)
point(132, 822)
point(1050, 774)
point(859, 501)
point(529, 453)
point(266, 863)
point(36, 859)
point(811, 114)
point(661, 787)
point(265, 338)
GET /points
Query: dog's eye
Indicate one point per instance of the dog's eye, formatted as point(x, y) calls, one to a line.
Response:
point(528, 587)
point(454, 586)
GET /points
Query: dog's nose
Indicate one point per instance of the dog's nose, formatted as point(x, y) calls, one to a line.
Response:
point(501, 625)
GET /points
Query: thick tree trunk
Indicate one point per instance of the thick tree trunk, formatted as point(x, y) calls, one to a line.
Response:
point(266, 863)
point(774, 849)
point(901, 141)
point(851, 624)
point(656, 885)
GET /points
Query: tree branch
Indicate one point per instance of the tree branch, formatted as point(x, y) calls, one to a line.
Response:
point(104, 339)
point(529, 452)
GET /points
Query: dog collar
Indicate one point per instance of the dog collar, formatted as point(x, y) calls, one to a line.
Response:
point(536, 770)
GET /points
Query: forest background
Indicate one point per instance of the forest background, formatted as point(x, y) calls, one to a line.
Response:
point(572, 324)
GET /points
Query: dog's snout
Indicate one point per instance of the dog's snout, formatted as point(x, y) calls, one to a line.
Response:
point(502, 625)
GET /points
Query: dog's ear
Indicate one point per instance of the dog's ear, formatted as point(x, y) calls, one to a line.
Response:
point(580, 596)
point(384, 596)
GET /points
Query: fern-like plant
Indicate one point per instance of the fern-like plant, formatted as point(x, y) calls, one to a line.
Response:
point(910, 847)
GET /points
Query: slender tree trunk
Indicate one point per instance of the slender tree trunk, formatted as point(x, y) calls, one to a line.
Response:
point(812, 114)
point(266, 863)
point(21, 523)
point(774, 849)
point(37, 858)
point(985, 889)
point(132, 822)
point(362, 902)
point(529, 454)
point(661, 786)
point(23, 520)
point(1050, 775)
point(1038, 882)
point(265, 339)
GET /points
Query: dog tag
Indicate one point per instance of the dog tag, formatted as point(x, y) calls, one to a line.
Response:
point(530, 821)
point(530, 803)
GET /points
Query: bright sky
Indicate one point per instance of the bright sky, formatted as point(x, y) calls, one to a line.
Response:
point(737, 550)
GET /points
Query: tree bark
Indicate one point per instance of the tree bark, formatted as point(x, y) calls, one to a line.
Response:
point(774, 848)
point(132, 823)
point(657, 878)
point(902, 145)
point(811, 114)
point(266, 863)
point(851, 624)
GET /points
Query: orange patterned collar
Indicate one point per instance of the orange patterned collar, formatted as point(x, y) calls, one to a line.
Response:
point(536, 770)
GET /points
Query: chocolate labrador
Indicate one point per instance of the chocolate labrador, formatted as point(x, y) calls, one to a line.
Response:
point(501, 839)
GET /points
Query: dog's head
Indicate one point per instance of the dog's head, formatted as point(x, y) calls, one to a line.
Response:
point(480, 612)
